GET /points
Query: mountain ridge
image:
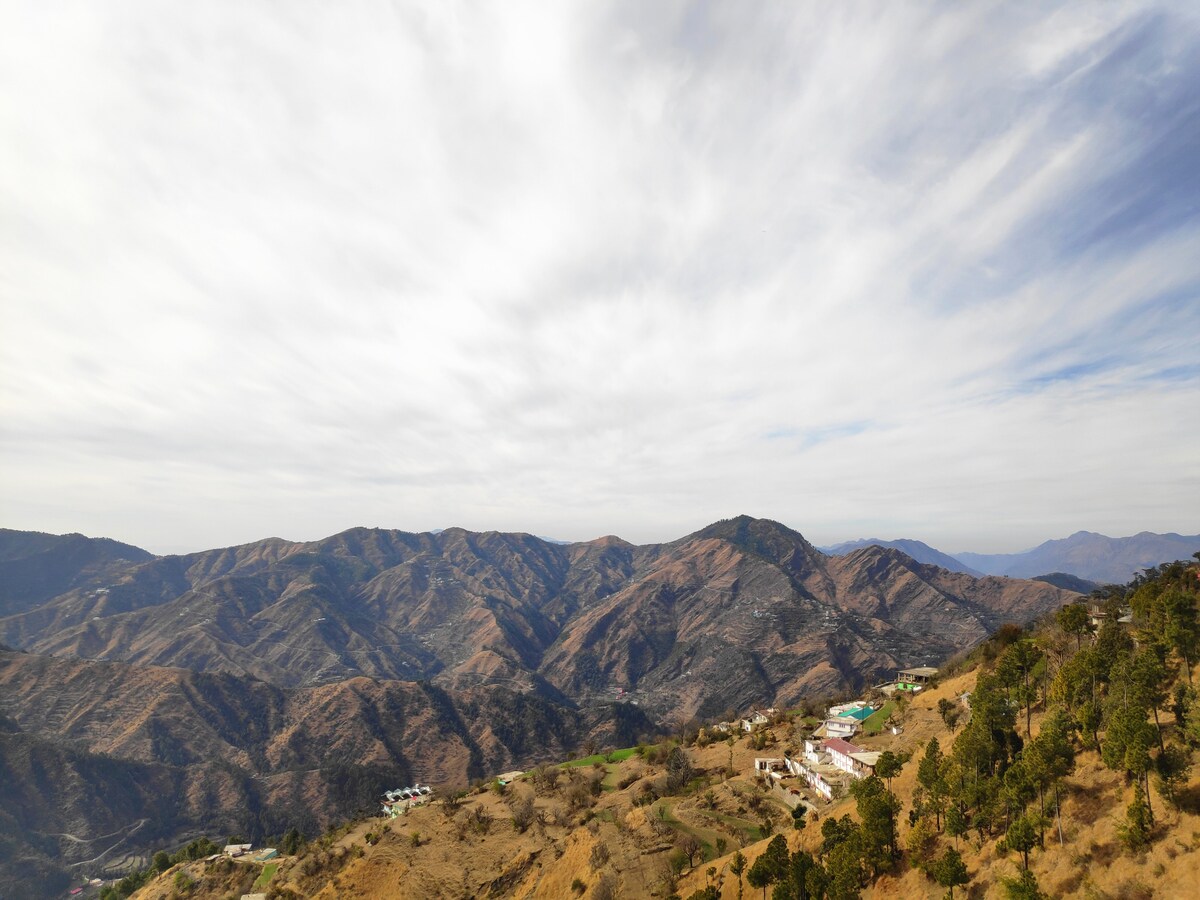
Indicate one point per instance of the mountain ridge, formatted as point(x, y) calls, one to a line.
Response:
point(1090, 555)
point(760, 611)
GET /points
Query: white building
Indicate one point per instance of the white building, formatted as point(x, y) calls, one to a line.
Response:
point(755, 720)
point(841, 754)
point(839, 727)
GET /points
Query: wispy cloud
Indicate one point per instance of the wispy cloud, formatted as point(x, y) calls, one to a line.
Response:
point(927, 271)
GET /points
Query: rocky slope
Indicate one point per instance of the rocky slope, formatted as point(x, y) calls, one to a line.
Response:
point(611, 845)
point(253, 688)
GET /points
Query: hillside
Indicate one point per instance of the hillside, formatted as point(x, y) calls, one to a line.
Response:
point(634, 835)
point(281, 682)
point(105, 761)
point(34, 567)
point(743, 611)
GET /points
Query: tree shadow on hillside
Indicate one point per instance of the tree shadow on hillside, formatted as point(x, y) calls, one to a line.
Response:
point(1188, 800)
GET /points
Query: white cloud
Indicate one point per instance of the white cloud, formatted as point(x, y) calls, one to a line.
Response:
point(914, 272)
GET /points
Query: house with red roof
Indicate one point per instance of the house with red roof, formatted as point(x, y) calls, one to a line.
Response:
point(841, 754)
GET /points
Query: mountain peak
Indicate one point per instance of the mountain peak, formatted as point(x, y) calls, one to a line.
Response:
point(766, 538)
point(740, 527)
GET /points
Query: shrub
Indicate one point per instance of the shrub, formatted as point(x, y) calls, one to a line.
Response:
point(479, 820)
point(522, 813)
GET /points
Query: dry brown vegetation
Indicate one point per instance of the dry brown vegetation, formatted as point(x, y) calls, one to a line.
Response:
point(608, 845)
point(617, 830)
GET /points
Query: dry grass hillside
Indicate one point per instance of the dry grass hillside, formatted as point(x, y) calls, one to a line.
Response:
point(1017, 804)
point(1091, 863)
point(579, 845)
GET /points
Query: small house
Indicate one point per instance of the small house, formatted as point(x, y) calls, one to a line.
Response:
point(755, 720)
point(914, 679)
point(841, 727)
point(764, 765)
point(865, 762)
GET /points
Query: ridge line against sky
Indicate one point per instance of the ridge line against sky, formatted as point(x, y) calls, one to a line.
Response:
point(573, 269)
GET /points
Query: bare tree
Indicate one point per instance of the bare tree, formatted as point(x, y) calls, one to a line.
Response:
point(522, 811)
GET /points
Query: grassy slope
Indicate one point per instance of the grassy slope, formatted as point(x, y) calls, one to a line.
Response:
point(545, 862)
point(1092, 863)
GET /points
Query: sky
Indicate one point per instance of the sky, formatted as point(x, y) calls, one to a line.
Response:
point(923, 270)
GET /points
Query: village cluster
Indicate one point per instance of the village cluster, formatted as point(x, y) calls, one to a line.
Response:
point(829, 761)
point(401, 800)
point(826, 765)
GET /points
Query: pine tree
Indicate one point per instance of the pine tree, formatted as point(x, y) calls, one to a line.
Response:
point(929, 775)
point(1182, 627)
point(877, 811)
point(888, 767)
point(1021, 837)
point(950, 871)
point(1023, 887)
point(760, 875)
point(737, 866)
point(845, 872)
point(1135, 832)
point(956, 822)
point(1073, 619)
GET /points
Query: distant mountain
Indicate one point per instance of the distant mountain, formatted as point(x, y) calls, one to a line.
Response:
point(35, 567)
point(1089, 555)
point(918, 550)
point(741, 612)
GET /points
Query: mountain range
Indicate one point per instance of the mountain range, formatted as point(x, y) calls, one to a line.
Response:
point(1085, 554)
point(249, 689)
point(743, 611)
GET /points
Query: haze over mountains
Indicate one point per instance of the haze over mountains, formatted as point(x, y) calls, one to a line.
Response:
point(279, 682)
point(1085, 554)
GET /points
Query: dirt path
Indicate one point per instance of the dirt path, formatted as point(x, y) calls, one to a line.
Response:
point(132, 831)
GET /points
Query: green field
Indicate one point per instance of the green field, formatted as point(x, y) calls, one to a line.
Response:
point(873, 724)
point(615, 757)
point(751, 831)
point(268, 873)
point(707, 838)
